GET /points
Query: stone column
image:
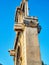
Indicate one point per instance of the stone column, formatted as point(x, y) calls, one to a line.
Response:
point(32, 47)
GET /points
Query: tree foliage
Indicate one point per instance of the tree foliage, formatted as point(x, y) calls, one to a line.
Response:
point(43, 63)
point(0, 64)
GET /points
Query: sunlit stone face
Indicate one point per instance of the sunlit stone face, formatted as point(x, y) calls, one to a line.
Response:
point(32, 47)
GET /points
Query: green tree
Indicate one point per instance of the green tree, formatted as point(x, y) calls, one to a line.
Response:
point(0, 64)
point(43, 63)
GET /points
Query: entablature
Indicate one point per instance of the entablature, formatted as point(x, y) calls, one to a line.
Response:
point(19, 27)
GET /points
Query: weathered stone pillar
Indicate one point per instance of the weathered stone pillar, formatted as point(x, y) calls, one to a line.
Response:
point(32, 47)
point(26, 47)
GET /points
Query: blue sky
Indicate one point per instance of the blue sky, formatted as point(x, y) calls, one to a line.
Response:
point(39, 8)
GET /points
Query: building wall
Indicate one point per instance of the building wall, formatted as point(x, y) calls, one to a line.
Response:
point(32, 47)
point(29, 47)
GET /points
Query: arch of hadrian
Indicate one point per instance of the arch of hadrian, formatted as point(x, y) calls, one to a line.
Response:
point(26, 47)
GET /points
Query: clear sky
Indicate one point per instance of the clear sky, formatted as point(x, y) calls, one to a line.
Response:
point(39, 8)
